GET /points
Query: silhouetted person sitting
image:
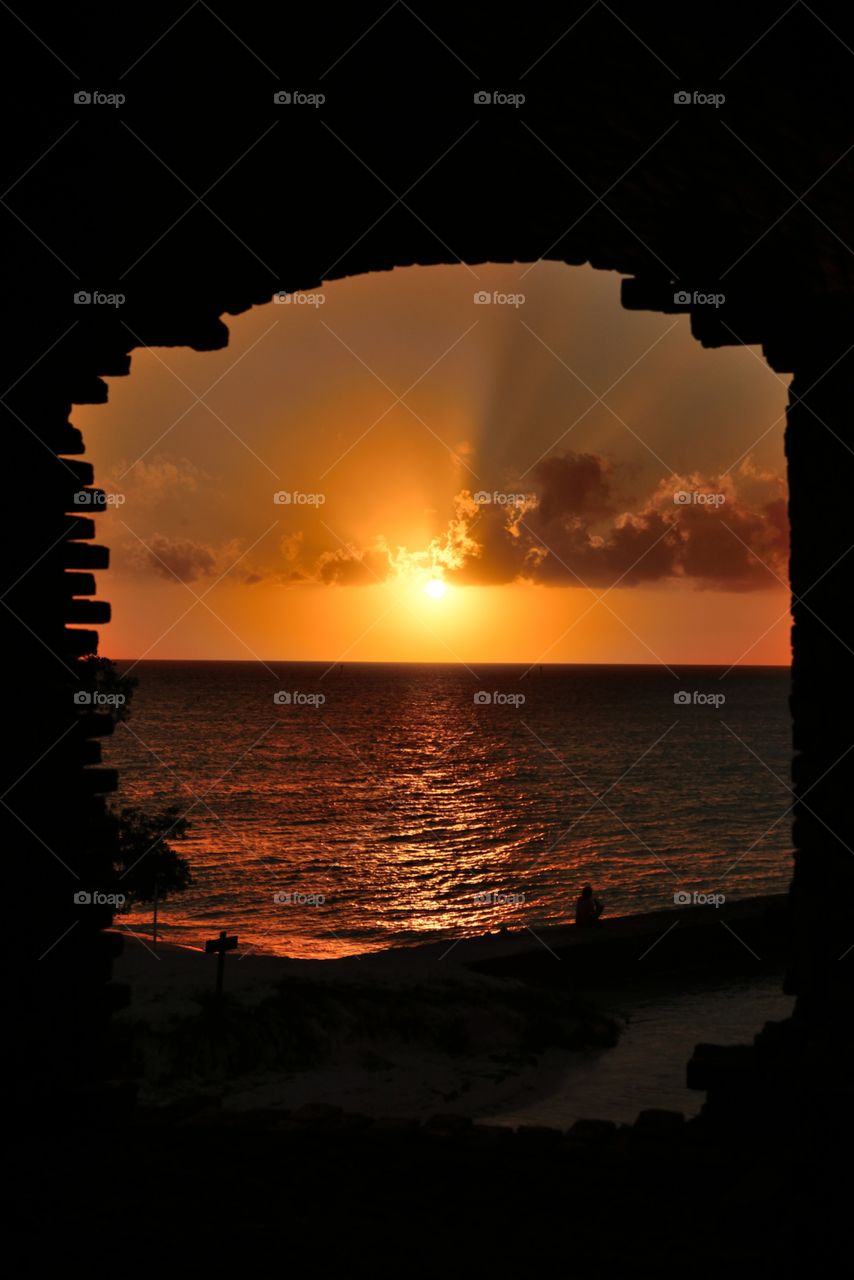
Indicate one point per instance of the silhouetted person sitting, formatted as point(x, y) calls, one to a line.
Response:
point(587, 908)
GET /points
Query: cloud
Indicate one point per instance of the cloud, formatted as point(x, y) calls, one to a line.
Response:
point(637, 547)
point(727, 532)
point(575, 523)
point(179, 558)
point(574, 484)
point(149, 484)
point(350, 567)
point(290, 546)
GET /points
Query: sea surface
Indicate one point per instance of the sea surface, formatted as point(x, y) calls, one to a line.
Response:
point(339, 809)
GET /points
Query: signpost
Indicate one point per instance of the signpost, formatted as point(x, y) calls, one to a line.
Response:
point(219, 946)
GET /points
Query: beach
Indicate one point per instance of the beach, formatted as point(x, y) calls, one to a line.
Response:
point(533, 1030)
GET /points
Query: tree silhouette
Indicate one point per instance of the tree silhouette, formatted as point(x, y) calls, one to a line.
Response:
point(146, 864)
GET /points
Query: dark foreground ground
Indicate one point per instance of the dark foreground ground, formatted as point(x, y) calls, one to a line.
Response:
point(484, 1026)
point(756, 1184)
point(330, 1191)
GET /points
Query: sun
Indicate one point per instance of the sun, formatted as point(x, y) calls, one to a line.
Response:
point(435, 588)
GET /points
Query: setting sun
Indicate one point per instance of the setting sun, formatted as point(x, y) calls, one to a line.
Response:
point(486, 538)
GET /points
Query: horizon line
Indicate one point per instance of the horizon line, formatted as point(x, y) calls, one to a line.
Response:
point(426, 662)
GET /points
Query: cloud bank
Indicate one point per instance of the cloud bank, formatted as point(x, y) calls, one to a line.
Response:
point(576, 527)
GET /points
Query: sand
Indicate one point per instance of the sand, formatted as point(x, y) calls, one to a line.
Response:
point(383, 1072)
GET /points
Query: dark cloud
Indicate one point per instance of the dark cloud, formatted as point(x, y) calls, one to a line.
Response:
point(350, 567)
point(575, 484)
point(179, 558)
point(733, 547)
point(634, 549)
point(728, 533)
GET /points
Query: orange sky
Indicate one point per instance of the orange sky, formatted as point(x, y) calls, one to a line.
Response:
point(499, 398)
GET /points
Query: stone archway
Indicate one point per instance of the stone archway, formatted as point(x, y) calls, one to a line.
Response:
point(200, 195)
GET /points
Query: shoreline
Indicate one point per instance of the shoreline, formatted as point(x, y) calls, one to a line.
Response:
point(761, 917)
point(482, 1055)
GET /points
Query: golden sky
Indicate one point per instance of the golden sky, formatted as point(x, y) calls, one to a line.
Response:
point(635, 482)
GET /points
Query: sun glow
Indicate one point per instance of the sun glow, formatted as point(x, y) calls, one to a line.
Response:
point(415, 571)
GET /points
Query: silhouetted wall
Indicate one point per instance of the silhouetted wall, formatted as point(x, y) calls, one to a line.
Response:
point(199, 195)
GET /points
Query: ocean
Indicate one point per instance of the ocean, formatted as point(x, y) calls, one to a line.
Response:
point(346, 808)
